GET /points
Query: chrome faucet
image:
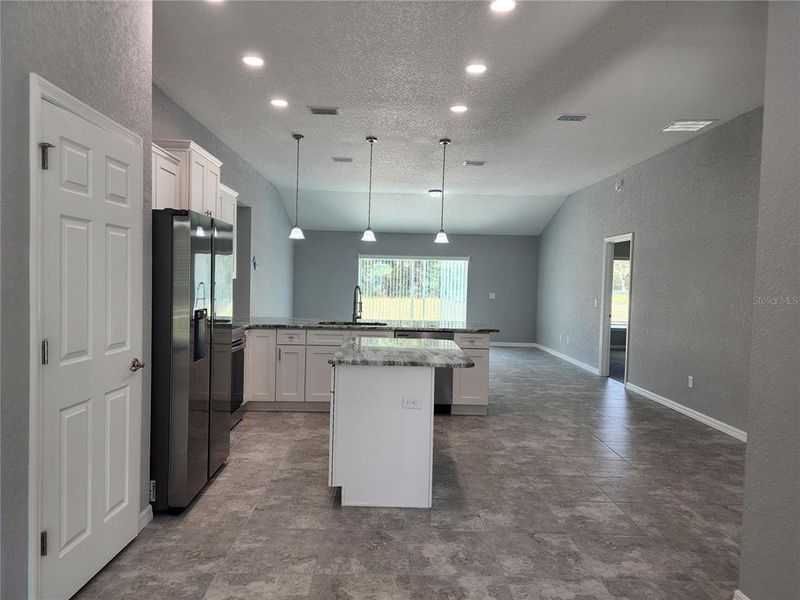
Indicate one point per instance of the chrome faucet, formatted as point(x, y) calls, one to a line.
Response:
point(357, 304)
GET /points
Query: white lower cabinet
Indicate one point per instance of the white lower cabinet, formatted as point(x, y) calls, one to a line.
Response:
point(471, 386)
point(290, 378)
point(318, 373)
point(260, 354)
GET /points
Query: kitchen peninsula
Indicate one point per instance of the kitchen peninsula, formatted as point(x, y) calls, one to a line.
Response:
point(287, 364)
point(381, 434)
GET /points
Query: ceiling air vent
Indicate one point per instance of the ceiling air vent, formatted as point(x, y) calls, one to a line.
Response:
point(324, 110)
point(571, 118)
point(474, 163)
point(342, 159)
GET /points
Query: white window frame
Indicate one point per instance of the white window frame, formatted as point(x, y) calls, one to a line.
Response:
point(418, 257)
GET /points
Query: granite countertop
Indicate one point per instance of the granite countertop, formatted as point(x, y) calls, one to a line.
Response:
point(289, 323)
point(392, 352)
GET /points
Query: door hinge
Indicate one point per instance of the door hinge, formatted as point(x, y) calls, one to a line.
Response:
point(152, 490)
point(45, 351)
point(45, 146)
point(43, 543)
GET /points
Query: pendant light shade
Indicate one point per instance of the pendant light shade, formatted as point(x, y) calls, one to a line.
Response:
point(296, 233)
point(369, 235)
point(441, 237)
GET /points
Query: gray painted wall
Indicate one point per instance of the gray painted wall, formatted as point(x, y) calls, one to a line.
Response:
point(241, 285)
point(271, 284)
point(326, 269)
point(770, 567)
point(693, 213)
point(102, 54)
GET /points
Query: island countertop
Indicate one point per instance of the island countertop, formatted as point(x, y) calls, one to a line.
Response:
point(290, 323)
point(393, 352)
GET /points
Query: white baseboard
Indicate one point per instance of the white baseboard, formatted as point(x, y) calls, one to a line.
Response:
point(737, 595)
point(514, 344)
point(145, 516)
point(692, 413)
point(569, 359)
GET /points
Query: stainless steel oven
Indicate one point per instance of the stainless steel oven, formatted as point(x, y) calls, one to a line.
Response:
point(238, 342)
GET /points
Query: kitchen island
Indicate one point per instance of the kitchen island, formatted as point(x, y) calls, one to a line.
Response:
point(381, 433)
point(287, 361)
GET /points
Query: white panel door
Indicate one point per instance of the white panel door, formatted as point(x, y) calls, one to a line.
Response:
point(318, 373)
point(260, 354)
point(91, 315)
point(226, 211)
point(211, 192)
point(166, 183)
point(471, 386)
point(290, 378)
point(197, 184)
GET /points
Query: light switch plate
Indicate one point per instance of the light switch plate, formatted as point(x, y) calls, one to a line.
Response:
point(691, 381)
point(492, 295)
point(412, 403)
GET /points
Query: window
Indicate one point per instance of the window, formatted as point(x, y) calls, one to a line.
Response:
point(620, 293)
point(409, 288)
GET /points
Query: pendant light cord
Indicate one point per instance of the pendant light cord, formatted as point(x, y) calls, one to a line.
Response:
point(297, 181)
point(369, 194)
point(444, 158)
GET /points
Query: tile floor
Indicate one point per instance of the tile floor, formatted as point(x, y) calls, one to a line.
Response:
point(570, 489)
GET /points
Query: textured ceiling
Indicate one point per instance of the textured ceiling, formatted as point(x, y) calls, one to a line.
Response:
point(394, 68)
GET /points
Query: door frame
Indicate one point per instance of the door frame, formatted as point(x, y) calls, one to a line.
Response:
point(42, 90)
point(605, 303)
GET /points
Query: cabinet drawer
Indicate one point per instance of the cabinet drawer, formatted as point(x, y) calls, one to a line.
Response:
point(472, 340)
point(291, 336)
point(371, 333)
point(327, 337)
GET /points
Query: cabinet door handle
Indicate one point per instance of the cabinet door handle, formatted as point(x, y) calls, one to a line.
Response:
point(279, 354)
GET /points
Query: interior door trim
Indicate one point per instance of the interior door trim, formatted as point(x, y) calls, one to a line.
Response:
point(605, 304)
point(42, 90)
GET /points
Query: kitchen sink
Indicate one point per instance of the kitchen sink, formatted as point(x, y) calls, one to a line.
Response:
point(356, 324)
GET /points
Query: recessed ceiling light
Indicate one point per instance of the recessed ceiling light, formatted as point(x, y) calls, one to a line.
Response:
point(502, 6)
point(215, 1)
point(689, 125)
point(251, 60)
point(279, 102)
point(435, 193)
point(475, 69)
point(458, 108)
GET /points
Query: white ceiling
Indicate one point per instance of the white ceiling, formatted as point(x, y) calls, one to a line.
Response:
point(394, 68)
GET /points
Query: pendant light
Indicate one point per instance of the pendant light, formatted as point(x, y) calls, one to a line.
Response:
point(297, 233)
point(441, 237)
point(369, 235)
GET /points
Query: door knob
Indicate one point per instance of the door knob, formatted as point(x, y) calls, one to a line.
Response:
point(136, 364)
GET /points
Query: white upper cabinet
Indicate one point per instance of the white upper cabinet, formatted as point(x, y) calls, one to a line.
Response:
point(226, 211)
point(199, 176)
point(166, 179)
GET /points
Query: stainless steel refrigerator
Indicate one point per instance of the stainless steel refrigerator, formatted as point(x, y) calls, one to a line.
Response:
point(192, 304)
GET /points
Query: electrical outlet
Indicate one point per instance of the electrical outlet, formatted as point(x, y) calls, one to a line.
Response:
point(691, 381)
point(412, 403)
point(567, 340)
point(560, 337)
point(492, 295)
point(595, 302)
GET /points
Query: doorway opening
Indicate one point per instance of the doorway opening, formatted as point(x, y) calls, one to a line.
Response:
point(615, 321)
